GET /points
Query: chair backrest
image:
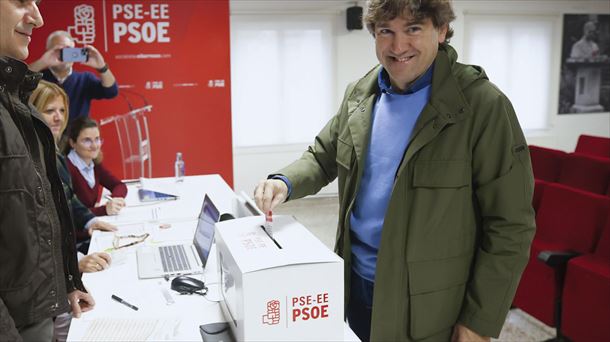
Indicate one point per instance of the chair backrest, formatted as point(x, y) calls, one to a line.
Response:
point(603, 245)
point(539, 186)
point(585, 172)
point(546, 162)
point(571, 217)
point(595, 146)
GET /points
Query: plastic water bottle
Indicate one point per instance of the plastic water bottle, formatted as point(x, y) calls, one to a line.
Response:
point(179, 167)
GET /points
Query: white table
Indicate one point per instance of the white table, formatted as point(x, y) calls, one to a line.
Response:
point(121, 278)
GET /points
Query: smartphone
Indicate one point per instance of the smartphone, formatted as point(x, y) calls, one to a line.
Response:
point(74, 55)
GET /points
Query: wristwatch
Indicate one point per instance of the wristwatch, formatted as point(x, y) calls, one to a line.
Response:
point(103, 69)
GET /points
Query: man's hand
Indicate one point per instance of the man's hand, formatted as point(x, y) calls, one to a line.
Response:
point(96, 60)
point(101, 226)
point(49, 59)
point(114, 206)
point(80, 302)
point(462, 334)
point(94, 262)
point(269, 193)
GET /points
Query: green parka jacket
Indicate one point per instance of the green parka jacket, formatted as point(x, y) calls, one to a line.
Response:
point(459, 224)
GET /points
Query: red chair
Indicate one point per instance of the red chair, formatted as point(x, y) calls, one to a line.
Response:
point(546, 162)
point(568, 220)
point(594, 146)
point(539, 186)
point(586, 294)
point(586, 173)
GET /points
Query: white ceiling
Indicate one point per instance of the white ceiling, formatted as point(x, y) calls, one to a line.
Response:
point(290, 6)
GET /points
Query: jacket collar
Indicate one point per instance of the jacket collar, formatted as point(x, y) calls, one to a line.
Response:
point(447, 102)
point(385, 85)
point(446, 96)
point(15, 76)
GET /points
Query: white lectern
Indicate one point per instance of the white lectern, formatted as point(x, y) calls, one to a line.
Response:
point(134, 142)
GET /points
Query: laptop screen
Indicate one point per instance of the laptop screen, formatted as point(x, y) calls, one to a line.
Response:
point(204, 235)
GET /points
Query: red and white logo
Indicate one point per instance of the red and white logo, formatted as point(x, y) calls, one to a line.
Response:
point(273, 313)
point(83, 30)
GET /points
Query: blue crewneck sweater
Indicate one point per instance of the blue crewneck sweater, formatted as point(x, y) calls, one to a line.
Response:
point(394, 116)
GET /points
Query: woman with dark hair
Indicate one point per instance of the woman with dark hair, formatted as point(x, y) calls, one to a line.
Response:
point(89, 176)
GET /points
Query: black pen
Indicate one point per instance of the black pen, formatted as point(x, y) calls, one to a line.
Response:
point(118, 299)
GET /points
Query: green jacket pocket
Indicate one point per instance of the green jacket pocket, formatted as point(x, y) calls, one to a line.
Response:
point(436, 290)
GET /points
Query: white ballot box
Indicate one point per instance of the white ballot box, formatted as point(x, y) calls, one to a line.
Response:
point(287, 286)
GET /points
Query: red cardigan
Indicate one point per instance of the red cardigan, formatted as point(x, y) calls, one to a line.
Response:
point(90, 196)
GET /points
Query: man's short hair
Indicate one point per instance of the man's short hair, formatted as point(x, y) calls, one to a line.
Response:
point(439, 11)
point(58, 33)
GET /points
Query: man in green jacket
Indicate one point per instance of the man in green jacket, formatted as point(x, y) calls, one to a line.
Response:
point(435, 185)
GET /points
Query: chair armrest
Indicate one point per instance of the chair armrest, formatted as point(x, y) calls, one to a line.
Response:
point(556, 259)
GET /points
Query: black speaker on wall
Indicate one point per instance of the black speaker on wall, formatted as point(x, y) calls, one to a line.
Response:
point(354, 18)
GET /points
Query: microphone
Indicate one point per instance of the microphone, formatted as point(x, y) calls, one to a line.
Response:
point(126, 100)
point(139, 95)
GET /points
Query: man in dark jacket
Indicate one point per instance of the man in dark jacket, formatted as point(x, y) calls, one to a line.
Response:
point(39, 276)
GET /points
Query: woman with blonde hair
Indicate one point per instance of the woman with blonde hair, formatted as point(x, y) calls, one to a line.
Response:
point(52, 102)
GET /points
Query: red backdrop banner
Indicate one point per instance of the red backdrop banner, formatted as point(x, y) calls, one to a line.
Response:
point(172, 54)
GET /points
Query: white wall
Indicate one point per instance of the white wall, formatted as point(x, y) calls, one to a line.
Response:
point(354, 55)
point(563, 130)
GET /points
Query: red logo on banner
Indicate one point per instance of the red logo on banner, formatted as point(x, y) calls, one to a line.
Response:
point(273, 313)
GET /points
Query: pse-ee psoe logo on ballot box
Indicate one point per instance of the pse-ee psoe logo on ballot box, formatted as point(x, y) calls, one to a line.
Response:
point(272, 317)
point(304, 308)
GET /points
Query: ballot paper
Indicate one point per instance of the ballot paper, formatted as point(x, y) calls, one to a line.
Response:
point(120, 329)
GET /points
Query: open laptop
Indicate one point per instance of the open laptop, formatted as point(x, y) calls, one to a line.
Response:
point(153, 196)
point(189, 258)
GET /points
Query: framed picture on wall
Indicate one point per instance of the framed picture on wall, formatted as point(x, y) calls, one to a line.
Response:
point(585, 64)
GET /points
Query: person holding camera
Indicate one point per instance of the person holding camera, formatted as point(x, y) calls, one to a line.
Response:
point(82, 87)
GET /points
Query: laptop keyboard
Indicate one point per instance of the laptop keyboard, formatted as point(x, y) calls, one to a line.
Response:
point(174, 258)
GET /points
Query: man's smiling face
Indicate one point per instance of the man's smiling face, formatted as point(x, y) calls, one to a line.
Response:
point(406, 48)
point(18, 18)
